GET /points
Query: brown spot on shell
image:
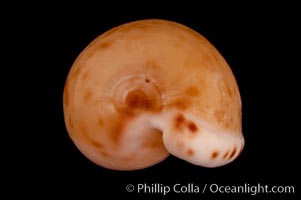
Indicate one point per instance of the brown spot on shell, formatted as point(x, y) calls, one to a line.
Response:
point(228, 124)
point(229, 91)
point(76, 72)
point(192, 91)
point(234, 90)
point(141, 26)
point(219, 115)
point(105, 45)
point(116, 130)
point(232, 153)
point(87, 137)
point(192, 127)
point(181, 104)
point(83, 129)
point(116, 126)
point(179, 121)
point(100, 122)
point(96, 144)
point(137, 99)
point(180, 118)
point(180, 144)
point(190, 152)
point(144, 97)
point(86, 76)
point(225, 155)
point(214, 154)
point(152, 64)
point(87, 96)
point(104, 153)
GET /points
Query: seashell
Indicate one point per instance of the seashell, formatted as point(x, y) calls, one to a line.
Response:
point(148, 89)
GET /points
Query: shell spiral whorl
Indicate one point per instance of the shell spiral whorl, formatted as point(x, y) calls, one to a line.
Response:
point(137, 94)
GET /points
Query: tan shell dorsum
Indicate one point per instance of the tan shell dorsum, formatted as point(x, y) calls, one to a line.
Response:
point(150, 88)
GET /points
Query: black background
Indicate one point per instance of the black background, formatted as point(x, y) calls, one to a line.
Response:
point(258, 43)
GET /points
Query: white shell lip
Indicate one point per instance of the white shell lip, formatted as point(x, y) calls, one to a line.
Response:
point(207, 147)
